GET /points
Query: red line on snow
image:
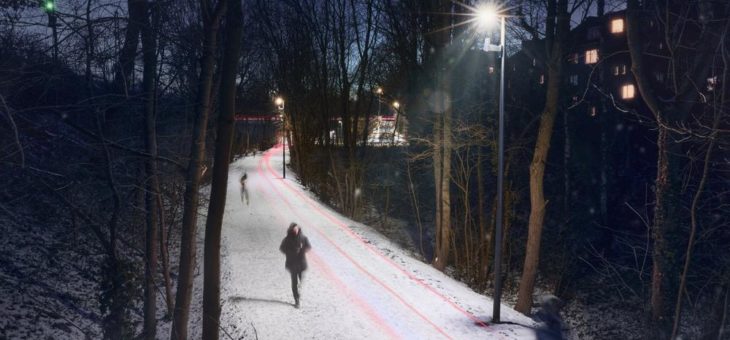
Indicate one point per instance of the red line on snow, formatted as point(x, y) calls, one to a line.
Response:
point(368, 246)
point(355, 263)
point(392, 333)
point(346, 291)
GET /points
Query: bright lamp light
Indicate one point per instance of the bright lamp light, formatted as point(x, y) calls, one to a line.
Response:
point(486, 16)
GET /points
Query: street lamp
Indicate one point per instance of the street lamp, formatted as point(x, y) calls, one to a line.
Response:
point(49, 6)
point(396, 105)
point(379, 92)
point(484, 17)
point(280, 106)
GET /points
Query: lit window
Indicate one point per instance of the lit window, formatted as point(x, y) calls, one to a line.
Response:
point(619, 70)
point(573, 79)
point(617, 25)
point(615, 70)
point(491, 69)
point(623, 69)
point(534, 62)
point(628, 91)
point(661, 46)
point(542, 79)
point(592, 56)
point(592, 111)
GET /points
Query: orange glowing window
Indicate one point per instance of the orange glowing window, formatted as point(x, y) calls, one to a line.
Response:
point(617, 25)
point(592, 56)
point(628, 91)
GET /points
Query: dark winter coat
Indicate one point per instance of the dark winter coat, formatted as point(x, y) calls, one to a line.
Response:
point(549, 315)
point(294, 246)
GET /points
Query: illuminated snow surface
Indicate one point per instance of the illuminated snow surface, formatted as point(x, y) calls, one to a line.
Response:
point(359, 285)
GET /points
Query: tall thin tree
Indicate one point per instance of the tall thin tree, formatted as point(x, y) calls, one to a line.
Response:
point(219, 186)
point(149, 77)
point(442, 134)
point(211, 17)
point(692, 38)
point(556, 34)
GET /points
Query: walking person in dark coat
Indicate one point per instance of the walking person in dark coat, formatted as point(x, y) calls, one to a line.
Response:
point(549, 315)
point(294, 246)
point(244, 191)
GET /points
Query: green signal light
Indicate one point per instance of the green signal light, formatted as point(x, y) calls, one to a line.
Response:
point(49, 6)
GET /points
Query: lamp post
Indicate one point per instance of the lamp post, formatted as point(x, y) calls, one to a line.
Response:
point(396, 105)
point(49, 6)
point(280, 106)
point(485, 16)
point(379, 92)
point(379, 95)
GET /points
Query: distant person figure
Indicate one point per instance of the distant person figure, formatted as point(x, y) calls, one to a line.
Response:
point(549, 315)
point(244, 191)
point(294, 246)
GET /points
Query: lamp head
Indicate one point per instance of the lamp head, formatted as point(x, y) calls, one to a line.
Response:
point(49, 6)
point(486, 16)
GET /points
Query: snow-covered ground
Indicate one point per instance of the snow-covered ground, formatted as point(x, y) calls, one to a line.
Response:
point(359, 285)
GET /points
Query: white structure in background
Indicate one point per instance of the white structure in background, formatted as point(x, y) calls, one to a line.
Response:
point(383, 132)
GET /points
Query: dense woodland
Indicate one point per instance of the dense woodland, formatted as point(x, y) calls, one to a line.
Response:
point(115, 113)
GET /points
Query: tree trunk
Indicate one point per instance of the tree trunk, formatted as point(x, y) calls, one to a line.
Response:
point(484, 243)
point(558, 26)
point(693, 230)
point(666, 225)
point(442, 142)
point(89, 44)
point(670, 115)
point(219, 186)
point(188, 245)
point(437, 167)
point(442, 172)
point(115, 321)
point(414, 204)
point(125, 67)
point(537, 197)
point(149, 51)
point(165, 255)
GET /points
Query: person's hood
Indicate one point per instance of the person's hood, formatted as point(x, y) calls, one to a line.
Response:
point(290, 230)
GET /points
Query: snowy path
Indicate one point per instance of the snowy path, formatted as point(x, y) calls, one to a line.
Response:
point(358, 286)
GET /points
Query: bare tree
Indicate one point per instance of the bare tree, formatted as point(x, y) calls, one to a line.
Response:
point(152, 187)
point(690, 61)
point(125, 66)
point(219, 186)
point(439, 40)
point(211, 17)
point(556, 33)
